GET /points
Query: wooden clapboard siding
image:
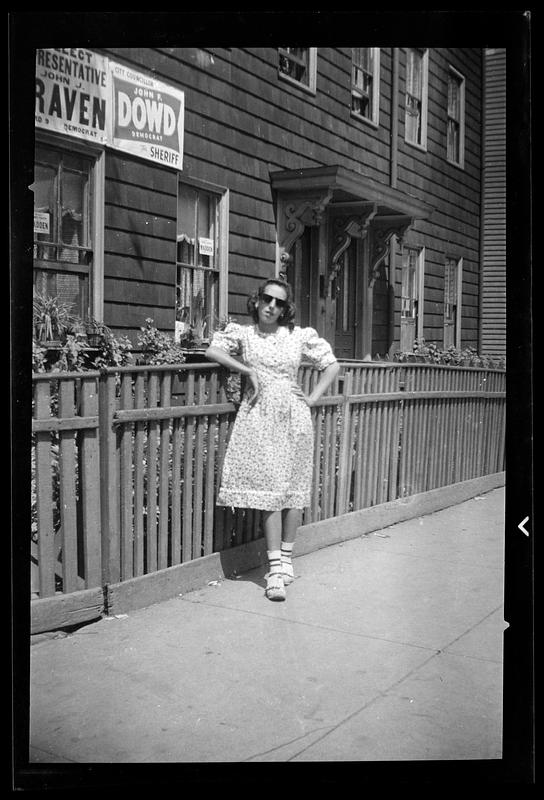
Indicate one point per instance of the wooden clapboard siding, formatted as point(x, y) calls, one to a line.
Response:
point(308, 127)
point(454, 193)
point(243, 121)
point(493, 282)
point(139, 244)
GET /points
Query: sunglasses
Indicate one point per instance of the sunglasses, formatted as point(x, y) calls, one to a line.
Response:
point(269, 297)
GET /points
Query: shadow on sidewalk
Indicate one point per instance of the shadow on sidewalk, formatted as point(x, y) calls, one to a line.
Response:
point(235, 570)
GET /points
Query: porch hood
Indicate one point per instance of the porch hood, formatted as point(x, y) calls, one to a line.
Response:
point(336, 184)
point(303, 195)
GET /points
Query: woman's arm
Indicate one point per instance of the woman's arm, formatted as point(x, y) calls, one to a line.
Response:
point(325, 380)
point(218, 355)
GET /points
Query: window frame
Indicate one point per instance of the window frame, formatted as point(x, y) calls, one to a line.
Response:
point(419, 287)
point(374, 119)
point(458, 263)
point(422, 145)
point(454, 73)
point(222, 237)
point(309, 87)
point(96, 154)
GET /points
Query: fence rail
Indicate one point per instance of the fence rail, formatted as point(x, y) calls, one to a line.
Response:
point(127, 462)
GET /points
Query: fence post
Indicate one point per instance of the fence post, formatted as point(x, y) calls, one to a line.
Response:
point(90, 487)
point(109, 480)
point(344, 459)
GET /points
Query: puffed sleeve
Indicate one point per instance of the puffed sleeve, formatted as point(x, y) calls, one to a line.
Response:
point(229, 339)
point(316, 349)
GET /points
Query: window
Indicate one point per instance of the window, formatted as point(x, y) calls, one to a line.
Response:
point(456, 118)
point(416, 97)
point(411, 320)
point(365, 83)
point(452, 305)
point(200, 262)
point(64, 223)
point(298, 65)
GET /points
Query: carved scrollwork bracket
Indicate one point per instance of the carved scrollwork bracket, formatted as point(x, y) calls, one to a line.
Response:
point(344, 230)
point(381, 242)
point(298, 213)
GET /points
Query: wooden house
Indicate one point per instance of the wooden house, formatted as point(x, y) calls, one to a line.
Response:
point(171, 182)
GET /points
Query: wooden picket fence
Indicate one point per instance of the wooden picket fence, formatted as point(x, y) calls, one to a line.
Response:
point(127, 462)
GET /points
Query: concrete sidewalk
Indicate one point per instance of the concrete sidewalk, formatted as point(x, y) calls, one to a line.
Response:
point(389, 647)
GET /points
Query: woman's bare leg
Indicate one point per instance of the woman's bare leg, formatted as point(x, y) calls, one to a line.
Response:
point(291, 521)
point(272, 529)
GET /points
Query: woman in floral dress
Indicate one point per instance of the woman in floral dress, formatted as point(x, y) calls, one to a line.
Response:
point(269, 460)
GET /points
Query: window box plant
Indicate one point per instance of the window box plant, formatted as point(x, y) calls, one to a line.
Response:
point(50, 317)
point(95, 331)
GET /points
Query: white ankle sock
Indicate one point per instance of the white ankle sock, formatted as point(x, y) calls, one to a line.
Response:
point(286, 554)
point(274, 560)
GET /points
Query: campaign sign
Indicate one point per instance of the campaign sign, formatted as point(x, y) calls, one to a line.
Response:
point(147, 117)
point(72, 92)
point(205, 246)
point(41, 222)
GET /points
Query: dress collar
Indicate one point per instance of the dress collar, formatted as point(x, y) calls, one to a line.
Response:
point(267, 334)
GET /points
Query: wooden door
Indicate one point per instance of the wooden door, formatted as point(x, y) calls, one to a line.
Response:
point(345, 290)
point(302, 274)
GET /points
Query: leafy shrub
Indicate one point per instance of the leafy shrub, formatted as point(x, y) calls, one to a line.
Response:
point(431, 353)
point(158, 347)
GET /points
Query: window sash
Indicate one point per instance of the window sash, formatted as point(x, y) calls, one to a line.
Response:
point(415, 97)
point(201, 220)
point(409, 286)
point(450, 290)
point(294, 62)
point(454, 141)
point(365, 82)
point(196, 300)
point(455, 114)
point(197, 274)
point(298, 65)
point(63, 258)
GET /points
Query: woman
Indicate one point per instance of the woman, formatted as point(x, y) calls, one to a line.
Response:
point(269, 460)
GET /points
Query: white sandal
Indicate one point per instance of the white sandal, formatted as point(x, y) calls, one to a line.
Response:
point(287, 572)
point(275, 589)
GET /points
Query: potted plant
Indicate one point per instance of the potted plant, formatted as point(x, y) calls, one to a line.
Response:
point(466, 356)
point(452, 356)
point(421, 350)
point(51, 317)
point(95, 331)
point(78, 329)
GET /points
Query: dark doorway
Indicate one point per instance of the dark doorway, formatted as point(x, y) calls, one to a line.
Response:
point(381, 316)
point(345, 291)
point(303, 277)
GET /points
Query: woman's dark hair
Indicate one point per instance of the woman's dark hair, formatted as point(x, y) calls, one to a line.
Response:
point(287, 316)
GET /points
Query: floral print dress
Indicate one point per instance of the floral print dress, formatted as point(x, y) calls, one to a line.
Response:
point(269, 460)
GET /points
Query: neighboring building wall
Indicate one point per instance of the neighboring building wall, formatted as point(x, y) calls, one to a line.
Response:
point(493, 279)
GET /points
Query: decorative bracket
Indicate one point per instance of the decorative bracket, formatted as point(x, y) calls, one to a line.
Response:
point(345, 229)
point(382, 232)
point(295, 214)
